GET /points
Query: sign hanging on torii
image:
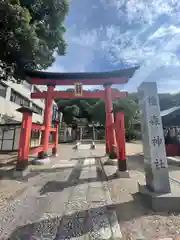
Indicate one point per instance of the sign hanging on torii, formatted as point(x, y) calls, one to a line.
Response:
point(78, 90)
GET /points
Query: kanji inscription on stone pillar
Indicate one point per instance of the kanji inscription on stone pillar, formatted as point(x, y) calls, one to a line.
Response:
point(155, 161)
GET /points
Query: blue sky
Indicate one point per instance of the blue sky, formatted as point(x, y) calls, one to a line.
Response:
point(105, 35)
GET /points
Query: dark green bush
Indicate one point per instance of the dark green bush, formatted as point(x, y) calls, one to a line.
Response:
point(112, 155)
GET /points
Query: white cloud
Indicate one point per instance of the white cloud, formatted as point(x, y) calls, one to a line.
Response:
point(154, 44)
point(156, 70)
point(135, 46)
point(80, 52)
point(167, 78)
point(140, 11)
point(56, 68)
point(87, 39)
point(147, 33)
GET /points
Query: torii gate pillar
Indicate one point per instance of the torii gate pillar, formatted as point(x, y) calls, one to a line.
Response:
point(110, 131)
point(47, 121)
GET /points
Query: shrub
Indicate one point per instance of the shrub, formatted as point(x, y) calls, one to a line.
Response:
point(112, 155)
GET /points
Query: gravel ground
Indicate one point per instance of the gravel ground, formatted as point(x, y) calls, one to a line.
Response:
point(135, 219)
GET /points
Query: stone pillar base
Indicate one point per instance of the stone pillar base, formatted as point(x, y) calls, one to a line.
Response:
point(21, 165)
point(40, 161)
point(122, 165)
point(42, 155)
point(76, 146)
point(167, 202)
point(93, 146)
point(54, 152)
point(111, 162)
point(107, 151)
point(20, 174)
point(21, 169)
point(122, 174)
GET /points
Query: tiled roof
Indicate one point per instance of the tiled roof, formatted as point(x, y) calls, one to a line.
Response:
point(169, 111)
point(127, 72)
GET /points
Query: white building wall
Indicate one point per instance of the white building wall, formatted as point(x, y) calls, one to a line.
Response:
point(9, 138)
point(8, 108)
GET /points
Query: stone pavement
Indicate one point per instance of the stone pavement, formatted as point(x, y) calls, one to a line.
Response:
point(70, 200)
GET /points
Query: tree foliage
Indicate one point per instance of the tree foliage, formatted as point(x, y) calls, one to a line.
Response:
point(30, 32)
point(130, 109)
point(70, 112)
point(98, 113)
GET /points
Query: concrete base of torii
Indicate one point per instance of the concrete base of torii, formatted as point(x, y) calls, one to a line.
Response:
point(21, 170)
point(87, 143)
point(118, 174)
point(122, 174)
point(21, 173)
point(43, 161)
point(167, 202)
point(112, 162)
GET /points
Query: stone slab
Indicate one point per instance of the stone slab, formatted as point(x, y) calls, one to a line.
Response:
point(93, 146)
point(84, 146)
point(55, 155)
point(168, 202)
point(20, 174)
point(75, 147)
point(122, 174)
point(173, 161)
point(43, 161)
point(112, 162)
point(86, 141)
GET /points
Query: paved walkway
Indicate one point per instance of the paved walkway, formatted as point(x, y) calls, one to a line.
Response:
point(67, 201)
point(70, 199)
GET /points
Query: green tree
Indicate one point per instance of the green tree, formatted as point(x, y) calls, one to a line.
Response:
point(31, 31)
point(98, 112)
point(70, 112)
point(131, 114)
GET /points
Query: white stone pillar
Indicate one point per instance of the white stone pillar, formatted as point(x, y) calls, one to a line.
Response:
point(8, 93)
point(81, 133)
point(155, 161)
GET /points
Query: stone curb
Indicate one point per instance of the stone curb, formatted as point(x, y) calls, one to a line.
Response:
point(43, 161)
point(171, 160)
point(114, 224)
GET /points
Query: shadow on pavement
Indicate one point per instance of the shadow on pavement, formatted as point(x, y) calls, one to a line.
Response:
point(83, 158)
point(58, 186)
point(133, 209)
point(80, 223)
point(73, 179)
point(136, 162)
point(69, 226)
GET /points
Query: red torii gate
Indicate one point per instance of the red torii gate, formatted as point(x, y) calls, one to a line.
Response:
point(106, 79)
